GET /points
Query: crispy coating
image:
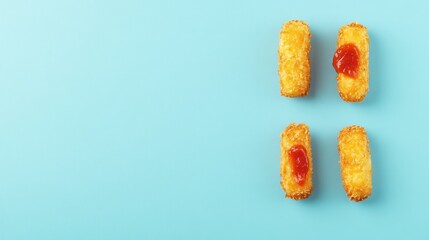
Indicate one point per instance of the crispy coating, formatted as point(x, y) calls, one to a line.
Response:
point(293, 135)
point(355, 162)
point(354, 89)
point(294, 59)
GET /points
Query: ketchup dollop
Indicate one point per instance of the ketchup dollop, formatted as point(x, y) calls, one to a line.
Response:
point(299, 161)
point(346, 60)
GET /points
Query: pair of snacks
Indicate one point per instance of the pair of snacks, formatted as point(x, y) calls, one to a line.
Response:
point(350, 60)
point(296, 165)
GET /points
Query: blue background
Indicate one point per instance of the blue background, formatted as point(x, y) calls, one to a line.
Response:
point(161, 120)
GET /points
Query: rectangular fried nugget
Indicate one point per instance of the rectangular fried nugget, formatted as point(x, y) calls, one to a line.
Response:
point(355, 162)
point(294, 59)
point(295, 135)
point(354, 89)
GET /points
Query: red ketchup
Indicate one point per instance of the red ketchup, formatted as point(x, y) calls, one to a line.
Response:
point(346, 60)
point(299, 161)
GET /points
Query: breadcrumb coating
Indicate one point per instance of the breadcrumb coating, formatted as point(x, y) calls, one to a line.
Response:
point(295, 135)
point(355, 162)
point(294, 59)
point(354, 89)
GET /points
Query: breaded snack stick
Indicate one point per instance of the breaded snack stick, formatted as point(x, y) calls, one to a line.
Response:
point(351, 61)
point(296, 166)
point(355, 162)
point(294, 59)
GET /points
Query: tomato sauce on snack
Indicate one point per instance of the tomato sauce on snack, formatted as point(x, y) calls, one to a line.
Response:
point(298, 155)
point(346, 60)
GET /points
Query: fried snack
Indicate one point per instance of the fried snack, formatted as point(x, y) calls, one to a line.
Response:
point(294, 59)
point(355, 162)
point(296, 166)
point(354, 88)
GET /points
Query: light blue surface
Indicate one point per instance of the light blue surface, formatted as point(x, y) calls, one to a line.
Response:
point(161, 120)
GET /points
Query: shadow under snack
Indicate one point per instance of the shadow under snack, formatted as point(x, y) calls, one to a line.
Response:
point(316, 152)
point(376, 72)
point(377, 172)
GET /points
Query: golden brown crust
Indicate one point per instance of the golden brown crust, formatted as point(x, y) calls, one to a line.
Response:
point(294, 59)
point(355, 162)
point(354, 89)
point(295, 135)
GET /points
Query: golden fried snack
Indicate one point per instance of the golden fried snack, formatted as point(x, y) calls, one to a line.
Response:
point(294, 59)
point(355, 162)
point(296, 166)
point(351, 61)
